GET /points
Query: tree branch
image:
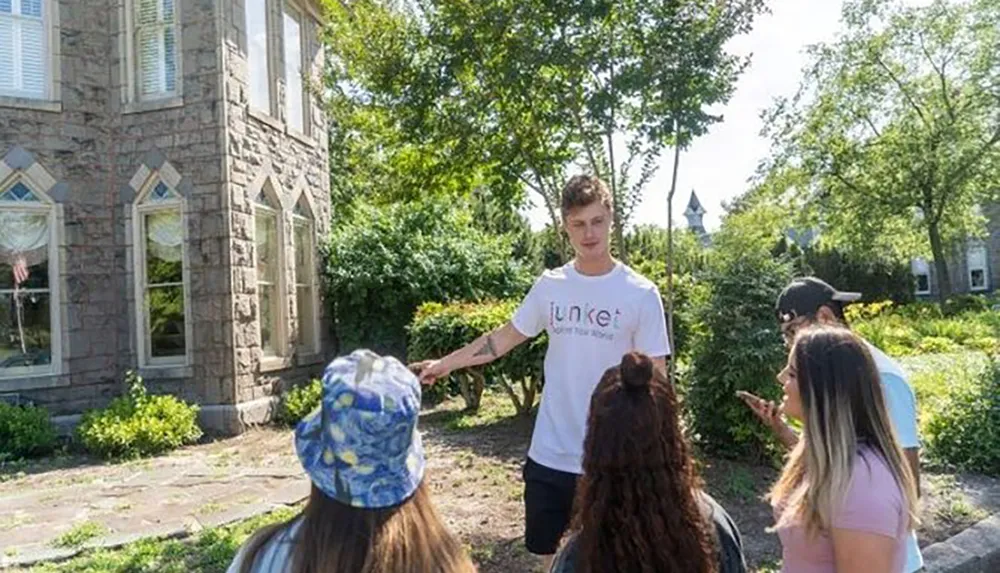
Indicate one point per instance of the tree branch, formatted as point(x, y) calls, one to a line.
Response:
point(940, 71)
point(903, 90)
point(963, 170)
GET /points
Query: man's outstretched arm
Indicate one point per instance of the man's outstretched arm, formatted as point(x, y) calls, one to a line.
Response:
point(482, 350)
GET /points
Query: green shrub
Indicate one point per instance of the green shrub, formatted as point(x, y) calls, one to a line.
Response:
point(439, 329)
point(139, 424)
point(962, 303)
point(961, 424)
point(384, 262)
point(737, 346)
point(300, 401)
point(25, 431)
point(922, 328)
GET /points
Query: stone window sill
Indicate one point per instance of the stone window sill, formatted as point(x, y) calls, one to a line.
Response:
point(153, 105)
point(32, 104)
point(272, 363)
point(301, 137)
point(151, 372)
point(33, 382)
point(263, 117)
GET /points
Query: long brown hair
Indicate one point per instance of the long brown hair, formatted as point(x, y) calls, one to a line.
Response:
point(337, 538)
point(843, 408)
point(636, 508)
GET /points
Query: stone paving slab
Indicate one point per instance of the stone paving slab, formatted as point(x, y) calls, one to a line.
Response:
point(171, 496)
point(975, 550)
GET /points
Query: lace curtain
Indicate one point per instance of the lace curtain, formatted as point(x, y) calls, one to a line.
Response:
point(24, 235)
point(166, 233)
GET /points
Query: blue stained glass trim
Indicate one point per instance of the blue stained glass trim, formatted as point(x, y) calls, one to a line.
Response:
point(161, 193)
point(18, 192)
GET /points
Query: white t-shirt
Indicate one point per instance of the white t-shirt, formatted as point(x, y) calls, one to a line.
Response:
point(592, 321)
point(902, 406)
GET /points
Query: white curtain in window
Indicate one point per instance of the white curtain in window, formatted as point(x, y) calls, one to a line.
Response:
point(23, 56)
point(166, 232)
point(23, 235)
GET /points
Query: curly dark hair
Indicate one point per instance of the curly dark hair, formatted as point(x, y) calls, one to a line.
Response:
point(636, 507)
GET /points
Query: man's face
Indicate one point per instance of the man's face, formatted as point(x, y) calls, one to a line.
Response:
point(589, 230)
point(792, 327)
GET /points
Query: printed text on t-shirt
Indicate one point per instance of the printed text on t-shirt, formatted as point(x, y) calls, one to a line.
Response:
point(586, 320)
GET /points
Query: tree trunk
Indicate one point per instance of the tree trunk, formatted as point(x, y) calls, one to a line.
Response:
point(940, 263)
point(670, 252)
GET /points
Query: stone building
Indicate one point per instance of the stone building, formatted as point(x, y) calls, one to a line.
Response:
point(163, 188)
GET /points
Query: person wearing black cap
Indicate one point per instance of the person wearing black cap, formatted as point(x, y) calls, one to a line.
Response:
point(809, 301)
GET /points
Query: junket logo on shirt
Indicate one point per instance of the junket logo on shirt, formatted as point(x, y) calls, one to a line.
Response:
point(586, 320)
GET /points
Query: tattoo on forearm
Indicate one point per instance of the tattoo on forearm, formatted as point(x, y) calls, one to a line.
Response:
point(488, 349)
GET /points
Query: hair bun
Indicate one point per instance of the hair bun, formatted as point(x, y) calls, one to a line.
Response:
point(637, 370)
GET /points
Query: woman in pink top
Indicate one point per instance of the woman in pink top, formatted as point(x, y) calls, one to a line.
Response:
point(846, 500)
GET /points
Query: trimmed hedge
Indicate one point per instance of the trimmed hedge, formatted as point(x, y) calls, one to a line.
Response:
point(438, 329)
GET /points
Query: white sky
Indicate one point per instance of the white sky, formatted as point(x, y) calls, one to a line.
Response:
point(718, 165)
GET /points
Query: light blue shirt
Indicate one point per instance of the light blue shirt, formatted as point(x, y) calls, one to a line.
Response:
point(902, 405)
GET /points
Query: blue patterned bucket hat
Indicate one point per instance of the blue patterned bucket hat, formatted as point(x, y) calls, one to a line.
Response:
point(361, 446)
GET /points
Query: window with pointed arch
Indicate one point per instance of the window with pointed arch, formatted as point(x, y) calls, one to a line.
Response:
point(29, 317)
point(267, 237)
point(304, 243)
point(161, 276)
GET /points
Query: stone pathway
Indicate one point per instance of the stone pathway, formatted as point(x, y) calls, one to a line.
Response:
point(169, 496)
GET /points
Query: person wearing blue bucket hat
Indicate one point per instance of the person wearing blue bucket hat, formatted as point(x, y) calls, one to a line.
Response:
point(369, 510)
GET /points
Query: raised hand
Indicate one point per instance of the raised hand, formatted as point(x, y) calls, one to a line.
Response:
point(772, 415)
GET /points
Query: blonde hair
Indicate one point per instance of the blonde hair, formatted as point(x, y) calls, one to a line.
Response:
point(843, 409)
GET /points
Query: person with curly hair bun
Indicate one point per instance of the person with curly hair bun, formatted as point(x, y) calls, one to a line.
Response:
point(639, 506)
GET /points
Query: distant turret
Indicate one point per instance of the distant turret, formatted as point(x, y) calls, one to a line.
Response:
point(695, 214)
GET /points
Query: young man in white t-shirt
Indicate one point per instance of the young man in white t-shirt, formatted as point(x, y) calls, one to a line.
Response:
point(594, 309)
point(807, 301)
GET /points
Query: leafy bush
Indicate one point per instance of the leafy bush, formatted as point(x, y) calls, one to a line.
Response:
point(300, 401)
point(737, 346)
point(439, 329)
point(25, 431)
point(876, 278)
point(139, 424)
point(384, 262)
point(960, 424)
point(963, 303)
point(922, 328)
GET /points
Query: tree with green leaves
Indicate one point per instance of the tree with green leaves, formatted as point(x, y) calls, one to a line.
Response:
point(893, 138)
point(512, 94)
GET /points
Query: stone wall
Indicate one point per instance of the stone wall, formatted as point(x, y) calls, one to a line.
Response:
point(262, 150)
point(69, 140)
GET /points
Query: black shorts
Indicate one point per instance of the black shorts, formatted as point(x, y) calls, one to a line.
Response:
point(548, 503)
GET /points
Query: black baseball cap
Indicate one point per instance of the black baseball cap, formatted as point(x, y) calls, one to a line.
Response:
point(804, 296)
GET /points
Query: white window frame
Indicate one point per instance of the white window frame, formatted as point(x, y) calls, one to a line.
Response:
point(50, 60)
point(920, 267)
point(977, 250)
point(296, 13)
point(140, 209)
point(280, 328)
point(269, 60)
point(46, 206)
point(307, 220)
point(132, 61)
